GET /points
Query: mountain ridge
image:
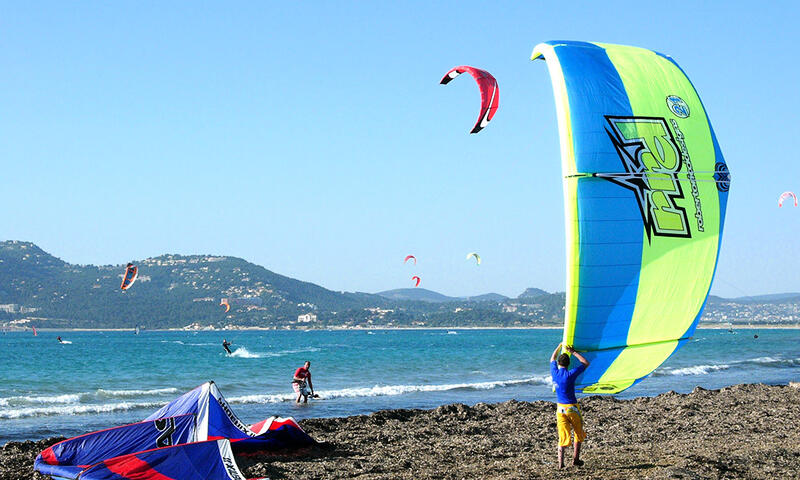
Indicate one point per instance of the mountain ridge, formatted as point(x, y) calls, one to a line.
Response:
point(178, 290)
point(175, 291)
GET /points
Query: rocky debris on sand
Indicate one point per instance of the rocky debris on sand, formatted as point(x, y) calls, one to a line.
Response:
point(743, 431)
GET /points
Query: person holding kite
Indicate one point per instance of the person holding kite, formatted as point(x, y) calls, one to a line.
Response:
point(568, 413)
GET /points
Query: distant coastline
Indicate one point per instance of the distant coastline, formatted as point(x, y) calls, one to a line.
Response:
point(754, 326)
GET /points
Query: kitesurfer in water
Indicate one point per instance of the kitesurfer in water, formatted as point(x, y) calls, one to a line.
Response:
point(226, 345)
point(59, 339)
point(301, 383)
point(568, 413)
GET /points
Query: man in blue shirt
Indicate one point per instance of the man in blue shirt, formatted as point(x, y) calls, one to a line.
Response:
point(568, 412)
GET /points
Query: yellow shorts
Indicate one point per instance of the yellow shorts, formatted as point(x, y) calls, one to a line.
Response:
point(569, 419)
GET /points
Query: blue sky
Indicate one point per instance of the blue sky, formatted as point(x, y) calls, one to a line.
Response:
point(313, 138)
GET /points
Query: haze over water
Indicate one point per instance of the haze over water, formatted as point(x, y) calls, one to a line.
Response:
point(103, 379)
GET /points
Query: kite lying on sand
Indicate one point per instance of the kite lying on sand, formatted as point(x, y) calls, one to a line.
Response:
point(192, 436)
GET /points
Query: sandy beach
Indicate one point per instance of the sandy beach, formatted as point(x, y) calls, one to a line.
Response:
point(743, 431)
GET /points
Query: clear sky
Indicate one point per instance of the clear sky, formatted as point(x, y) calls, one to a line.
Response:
point(313, 138)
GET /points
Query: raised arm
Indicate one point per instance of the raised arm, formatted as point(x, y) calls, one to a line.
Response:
point(555, 353)
point(578, 356)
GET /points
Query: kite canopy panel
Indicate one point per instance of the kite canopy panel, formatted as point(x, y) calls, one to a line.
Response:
point(645, 189)
point(210, 460)
point(161, 446)
point(67, 459)
point(216, 420)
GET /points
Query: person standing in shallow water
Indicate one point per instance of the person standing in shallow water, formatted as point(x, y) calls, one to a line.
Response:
point(568, 413)
point(302, 382)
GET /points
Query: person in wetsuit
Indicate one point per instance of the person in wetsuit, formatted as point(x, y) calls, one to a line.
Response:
point(59, 339)
point(226, 345)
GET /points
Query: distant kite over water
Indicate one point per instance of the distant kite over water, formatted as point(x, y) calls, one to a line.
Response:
point(131, 272)
point(417, 280)
point(490, 93)
point(410, 257)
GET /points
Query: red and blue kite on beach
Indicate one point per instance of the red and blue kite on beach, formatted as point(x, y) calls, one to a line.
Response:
point(192, 437)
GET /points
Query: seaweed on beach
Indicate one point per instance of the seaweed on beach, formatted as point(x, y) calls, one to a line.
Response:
point(743, 431)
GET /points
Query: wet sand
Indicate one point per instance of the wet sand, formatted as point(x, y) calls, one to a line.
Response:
point(743, 431)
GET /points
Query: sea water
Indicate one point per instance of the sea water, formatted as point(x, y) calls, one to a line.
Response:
point(103, 379)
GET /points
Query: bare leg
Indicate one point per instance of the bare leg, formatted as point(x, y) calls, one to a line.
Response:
point(575, 459)
point(560, 456)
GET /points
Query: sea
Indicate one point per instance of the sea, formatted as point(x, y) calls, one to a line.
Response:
point(100, 379)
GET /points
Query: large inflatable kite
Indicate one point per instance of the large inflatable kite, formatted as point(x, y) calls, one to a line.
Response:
point(216, 420)
point(490, 93)
point(646, 186)
point(164, 443)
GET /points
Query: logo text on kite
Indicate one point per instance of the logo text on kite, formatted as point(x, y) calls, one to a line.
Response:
point(677, 106)
point(652, 161)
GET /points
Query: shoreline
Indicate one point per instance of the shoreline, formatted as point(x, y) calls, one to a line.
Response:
point(761, 326)
point(741, 431)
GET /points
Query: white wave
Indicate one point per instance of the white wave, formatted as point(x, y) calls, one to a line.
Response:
point(172, 341)
point(389, 390)
point(775, 361)
point(696, 370)
point(274, 398)
point(242, 352)
point(73, 409)
point(766, 360)
point(41, 399)
point(66, 342)
point(452, 332)
point(299, 350)
point(135, 393)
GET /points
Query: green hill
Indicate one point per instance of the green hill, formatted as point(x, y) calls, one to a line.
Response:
point(171, 291)
point(417, 294)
